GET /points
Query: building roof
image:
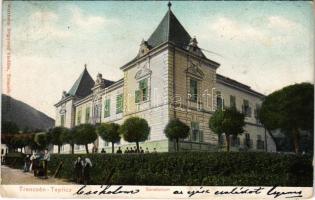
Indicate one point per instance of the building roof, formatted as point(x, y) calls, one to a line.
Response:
point(169, 30)
point(108, 83)
point(82, 86)
point(237, 84)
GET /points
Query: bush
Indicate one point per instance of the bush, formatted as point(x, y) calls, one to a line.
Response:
point(193, 168)
point(187, 168)
point(14, 160)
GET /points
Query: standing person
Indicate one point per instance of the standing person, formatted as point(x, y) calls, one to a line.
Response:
point(87, 164)
point(35, 165)
point(141, 150)
point(78, 168)
point(154, 150)
point(119, 150)
point(127, 150)
point(131, 150)
point(32, 159)
point(46, 159)
point(103, 150)
point(136, 150)
point(147, 150)
point(26, 163)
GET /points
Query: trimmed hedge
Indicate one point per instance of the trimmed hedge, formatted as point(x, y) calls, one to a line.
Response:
point(193, 168)
point(14, 160)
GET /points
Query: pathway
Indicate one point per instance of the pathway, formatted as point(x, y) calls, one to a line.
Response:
point(12, 176)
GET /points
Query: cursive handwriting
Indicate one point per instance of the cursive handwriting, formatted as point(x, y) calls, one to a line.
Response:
point(276, 193)
point(193, 192)
point(107, 190)
point(240, 190)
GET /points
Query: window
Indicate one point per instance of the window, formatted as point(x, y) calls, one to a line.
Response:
point(107, 108)
point(256, 111)
point(87, 115)
point(97, 111)
point(221, 139)
point(260, 142)
point(232, 101)
point(142, 93)
point(193, 90)
point(195, 132)
point(235, 141)
point(220, 102)
point(247, 141)
point(200, 136)
point(79, 117)
point(62, 120)
point(247, 109)
point(119, 104)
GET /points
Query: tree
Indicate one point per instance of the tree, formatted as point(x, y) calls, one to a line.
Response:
point(32, 144)
point(175, 129)
point(42, 140)
point(67, 137)
point(109, 132)
point(290, 110)
point(8, 130)
point(17, 141)
point(84, 134)
point(55, 136)
point(135, 129)
point(228, 121)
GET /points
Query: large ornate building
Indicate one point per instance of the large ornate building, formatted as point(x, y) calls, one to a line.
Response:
point(170, 77)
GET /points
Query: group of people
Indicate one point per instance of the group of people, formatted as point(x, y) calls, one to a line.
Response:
point(131, 150)
point(38, 163)
point(82, 168)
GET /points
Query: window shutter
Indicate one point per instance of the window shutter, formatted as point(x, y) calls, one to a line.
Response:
point(201, 136)
point(137, 96)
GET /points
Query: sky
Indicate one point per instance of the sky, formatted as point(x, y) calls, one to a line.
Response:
point(266, 45)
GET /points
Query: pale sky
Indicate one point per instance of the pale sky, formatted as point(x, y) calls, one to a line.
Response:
point(266, 45)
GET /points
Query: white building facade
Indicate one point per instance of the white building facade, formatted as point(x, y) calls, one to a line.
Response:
point(169, 78)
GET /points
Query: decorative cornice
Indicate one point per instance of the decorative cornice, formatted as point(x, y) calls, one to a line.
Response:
point(143, 71)
point(195, 71)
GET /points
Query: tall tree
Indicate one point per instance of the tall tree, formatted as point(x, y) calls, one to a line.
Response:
point(55, 135)
point(84, 135)
point(67, 137)
point(228, 121)
point(135, 129)
point(42, 140)
point(291, 110)
point(109, 132)
point(176, 129)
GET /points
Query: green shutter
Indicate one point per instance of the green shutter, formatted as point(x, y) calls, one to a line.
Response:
point(119, 103)
point(137, 96)
point(107, 108)
point(193, 90)
point(143, 88)
point(143, 84)
point(87, 115)
point(62, 123)
point(79, 117)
